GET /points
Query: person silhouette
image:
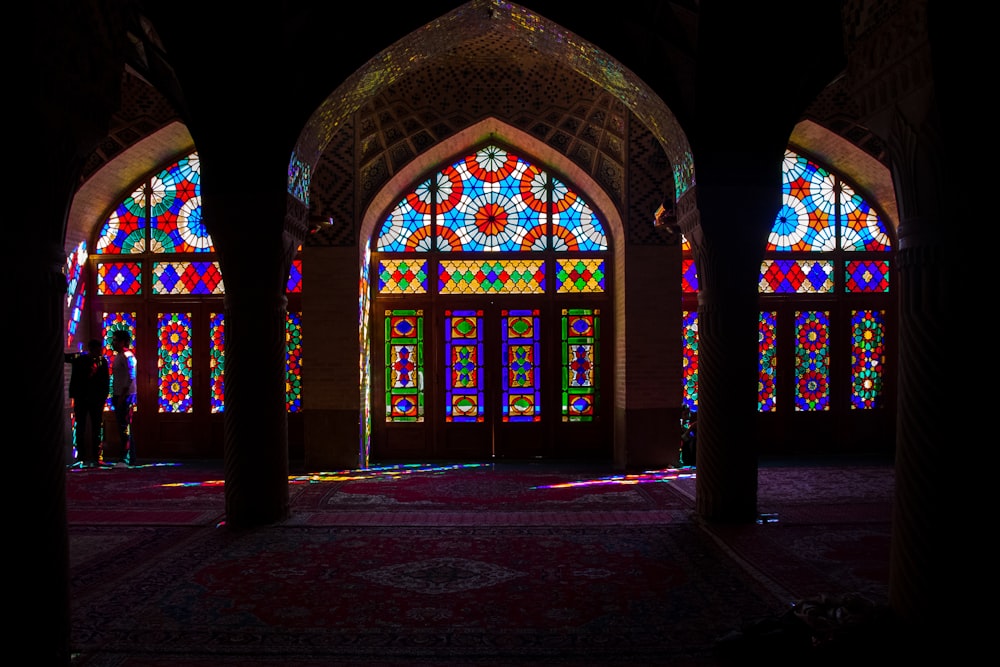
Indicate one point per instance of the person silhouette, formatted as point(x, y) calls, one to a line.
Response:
point(123, 389)
point(89, 386)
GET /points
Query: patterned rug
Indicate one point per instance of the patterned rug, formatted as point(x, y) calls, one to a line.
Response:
point(497, 565)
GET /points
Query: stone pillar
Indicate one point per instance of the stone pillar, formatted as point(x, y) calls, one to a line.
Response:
point(728, 263)
point(738, 142)
point(256, 420)
point(925, 546)
point(921, 58)
point(255, 272)
point(67, 84)
point(43, 557)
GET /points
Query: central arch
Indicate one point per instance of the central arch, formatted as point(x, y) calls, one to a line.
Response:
point(552, 437)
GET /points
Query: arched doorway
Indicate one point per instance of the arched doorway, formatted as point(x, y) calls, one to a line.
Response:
point(491, 317)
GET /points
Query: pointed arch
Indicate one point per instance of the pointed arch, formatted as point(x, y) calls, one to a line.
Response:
point(581, 211)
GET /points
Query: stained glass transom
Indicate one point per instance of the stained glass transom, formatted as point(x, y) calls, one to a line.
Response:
point(514, 276)
point(187, 278)
point(795, 276)
point(580, 276)
point(866, 276)
point(402, 276)
point(119, 278)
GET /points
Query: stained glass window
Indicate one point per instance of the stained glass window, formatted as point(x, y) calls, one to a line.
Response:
point(689, 365)
point(408, 227)
point(464, 385)
point(581, 340)
point(514, 276)
point(795, 276)
point(689, 275)
point(293, 362)
point(119, 278)
point(867, 357)
point(294, 285)
point(175, 223)
point(217, 360)
point(805, 219)
point(861, 228)
point(364, 364)
point(76, 290)
point(767, 363)
point(580, 275)
point(174, 364)
point(812, 360)
point(153, 253)
point(124, 232)
point(492, 201)
point(521, 353)
point(299, 179)
point(489, 224)
point(402, 276)
point(826, 240)
point(866, 276)
point(821, 213)
point(187, 278)
point(500, 208)
point(111, 322)
point(404, 365)
point(574, 225)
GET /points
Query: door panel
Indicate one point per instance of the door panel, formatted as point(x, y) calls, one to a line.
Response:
point(399, 393)
point(466, 416)
point(525, 410)
point(494, 381)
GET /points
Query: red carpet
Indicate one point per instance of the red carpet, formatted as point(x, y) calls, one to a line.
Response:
point(496, 565)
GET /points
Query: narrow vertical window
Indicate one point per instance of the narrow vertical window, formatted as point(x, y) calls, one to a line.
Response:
point(110, 322)
point(217, 360)
point(404, 365)
point(867, 358)
point(689, 360)
point(173, 363)
point(463, 349)
point(767, 362)
point(293, 362)
point(581, 335)
point(812, 360)
point(522, 398)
